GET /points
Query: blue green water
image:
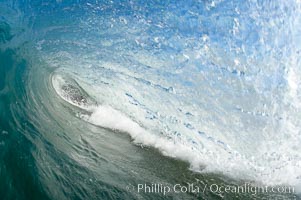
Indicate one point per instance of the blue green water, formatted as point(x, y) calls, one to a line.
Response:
point(97, 97)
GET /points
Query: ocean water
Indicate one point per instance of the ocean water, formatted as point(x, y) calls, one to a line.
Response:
point(99, 98)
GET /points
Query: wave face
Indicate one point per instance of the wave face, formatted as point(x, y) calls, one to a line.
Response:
point(215, 83)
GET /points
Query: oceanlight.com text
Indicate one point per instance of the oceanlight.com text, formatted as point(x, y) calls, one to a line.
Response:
point(246, 188)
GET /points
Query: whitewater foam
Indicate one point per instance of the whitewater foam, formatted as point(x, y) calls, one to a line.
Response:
point(107, 117)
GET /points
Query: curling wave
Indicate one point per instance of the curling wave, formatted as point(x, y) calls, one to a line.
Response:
point(215, 83)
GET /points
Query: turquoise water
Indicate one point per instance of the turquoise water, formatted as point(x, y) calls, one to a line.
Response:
point(99, 97)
